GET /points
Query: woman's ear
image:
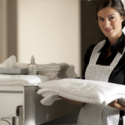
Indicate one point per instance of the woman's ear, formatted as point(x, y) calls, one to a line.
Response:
point(123, 18)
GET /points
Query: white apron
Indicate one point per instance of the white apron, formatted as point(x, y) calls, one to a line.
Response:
point(91, 114)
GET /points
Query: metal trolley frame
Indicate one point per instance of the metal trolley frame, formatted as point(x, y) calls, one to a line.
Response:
point(21, 106)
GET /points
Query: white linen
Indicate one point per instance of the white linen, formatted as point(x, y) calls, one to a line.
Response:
point(49, 98)
point(68, 73)
point(43, 67)
point(95, 92)
point(9, 63)
point(53, 70)
point(21, 80)
point(53, 66)
point(50, 74)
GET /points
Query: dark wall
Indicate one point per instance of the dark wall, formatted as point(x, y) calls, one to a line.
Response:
point(11, 28)
point(90, 31)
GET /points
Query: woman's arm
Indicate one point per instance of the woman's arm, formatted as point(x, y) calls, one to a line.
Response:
point(117, 105)
point(113, 104)
point(73, 102)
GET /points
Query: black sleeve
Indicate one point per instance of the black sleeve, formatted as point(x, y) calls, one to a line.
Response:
point(87, 58)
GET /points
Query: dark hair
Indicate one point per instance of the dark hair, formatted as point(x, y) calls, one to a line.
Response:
point(116, 4)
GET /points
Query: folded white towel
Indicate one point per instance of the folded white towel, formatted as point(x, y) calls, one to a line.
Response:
point(51, 75)
point(95, 92)
point(9, 63)
point(21, 80)
point(21, 65)
point(46, 67)
point(49, 98)
point(47, 93)
point(53, 66)
point(68, 73)
point(53, 70)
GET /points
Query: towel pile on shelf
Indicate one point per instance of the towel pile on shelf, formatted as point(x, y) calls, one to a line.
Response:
point(52, 70)
point(64, 71)
point(89, 91)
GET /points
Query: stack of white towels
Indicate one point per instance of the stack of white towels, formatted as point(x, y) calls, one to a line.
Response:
point(19, 80)
point(63, 71)
point(53, 70)
point(89, 91)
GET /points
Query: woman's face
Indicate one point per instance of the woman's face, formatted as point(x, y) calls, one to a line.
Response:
point(110, 22)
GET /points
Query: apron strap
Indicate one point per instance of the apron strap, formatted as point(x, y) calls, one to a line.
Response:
point(117, 58)
point(95, 53)
point(123, 120)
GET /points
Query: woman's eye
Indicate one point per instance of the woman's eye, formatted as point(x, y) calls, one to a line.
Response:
point(111, 18)
point(101, 19)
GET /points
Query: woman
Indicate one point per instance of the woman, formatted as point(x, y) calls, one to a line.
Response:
point(106, 62)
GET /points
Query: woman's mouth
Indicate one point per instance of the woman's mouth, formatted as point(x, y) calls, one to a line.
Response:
point(108, 30)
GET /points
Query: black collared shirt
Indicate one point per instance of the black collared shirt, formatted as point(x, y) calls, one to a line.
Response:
point(118, 74)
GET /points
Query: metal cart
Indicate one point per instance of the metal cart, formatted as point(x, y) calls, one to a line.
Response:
point(21, 106)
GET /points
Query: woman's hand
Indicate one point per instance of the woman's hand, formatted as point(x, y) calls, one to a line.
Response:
point(72, 101)
point(117, 105)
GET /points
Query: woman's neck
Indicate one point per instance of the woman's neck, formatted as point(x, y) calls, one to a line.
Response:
point(112, 40)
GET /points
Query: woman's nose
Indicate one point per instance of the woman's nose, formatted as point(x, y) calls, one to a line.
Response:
point(106, 23)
